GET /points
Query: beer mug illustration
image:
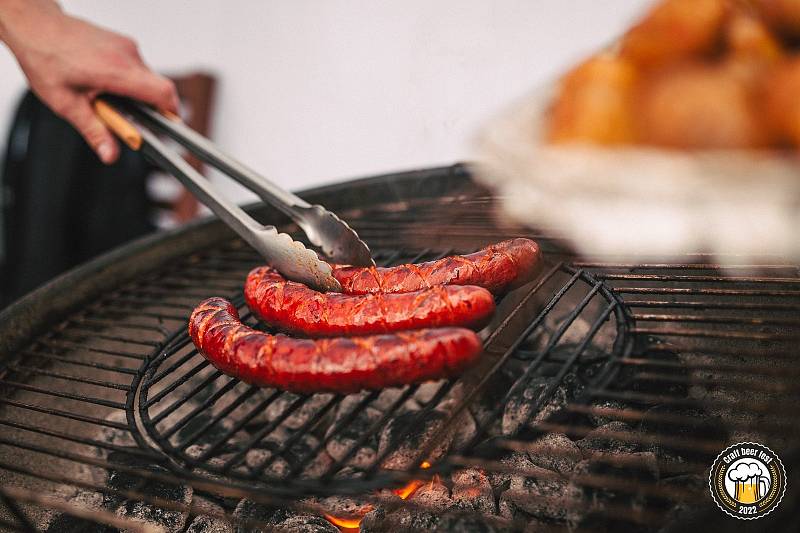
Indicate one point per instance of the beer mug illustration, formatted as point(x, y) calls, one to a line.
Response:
point(751, 483)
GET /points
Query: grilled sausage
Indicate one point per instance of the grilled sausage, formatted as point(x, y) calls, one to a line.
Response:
point(293, 307)
point(340, 365)
point(498, 267)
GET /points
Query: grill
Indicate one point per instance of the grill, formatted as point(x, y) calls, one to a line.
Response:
point(605, 392)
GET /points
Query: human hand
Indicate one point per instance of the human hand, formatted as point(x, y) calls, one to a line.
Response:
point(68, 62)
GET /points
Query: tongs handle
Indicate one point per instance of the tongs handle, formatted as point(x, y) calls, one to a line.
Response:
point(207, 151)
point(141, 139)
point(291, 258)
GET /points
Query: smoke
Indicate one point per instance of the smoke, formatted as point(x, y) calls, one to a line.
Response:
point(744, 471)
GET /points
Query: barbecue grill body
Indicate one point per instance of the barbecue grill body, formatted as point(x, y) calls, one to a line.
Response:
point(102, 393)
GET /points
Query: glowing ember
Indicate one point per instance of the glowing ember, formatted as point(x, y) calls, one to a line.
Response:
point(345, 524)
point(353, 524)
point(411, 487)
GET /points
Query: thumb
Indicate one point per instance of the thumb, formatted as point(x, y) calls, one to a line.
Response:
point(81, 115)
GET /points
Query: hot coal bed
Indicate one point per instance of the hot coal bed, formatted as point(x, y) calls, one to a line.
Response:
point(604, 394)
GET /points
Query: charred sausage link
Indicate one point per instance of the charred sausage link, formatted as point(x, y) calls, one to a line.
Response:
point(498, 267)
point(293, 307)
point(340, 365)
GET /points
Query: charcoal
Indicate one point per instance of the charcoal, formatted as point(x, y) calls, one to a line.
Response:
point(599, 417)
point(520, 405)
point(345, 438)
point(196, 429)
point(465, 430)
point(542, 494)
point(484, 409)
point(426, 391)
point(209, 524)
point(374, 521)
point(406, 437)
point(555, 451)
point(342, 506)
point(348, 472)
point(306, 524)
point(256, 458)
point(472, 490)
point(65, 523)
point(389, 396)
point(400, 519)
point(248, 511)
point(432, 496)
point(152, 515)
point(463, 523)
point(695, 424)
point(602, 440)
point(302, 414)
point(501, 479)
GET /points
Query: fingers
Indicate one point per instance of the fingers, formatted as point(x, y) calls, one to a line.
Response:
point(78, 111)
point(143, 84)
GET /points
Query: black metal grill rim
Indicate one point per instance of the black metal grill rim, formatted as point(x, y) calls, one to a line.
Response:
point(779, 297)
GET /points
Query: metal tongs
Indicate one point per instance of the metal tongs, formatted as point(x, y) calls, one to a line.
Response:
point(132, 122)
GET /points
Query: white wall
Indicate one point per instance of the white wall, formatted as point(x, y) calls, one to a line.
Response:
point(315, 91)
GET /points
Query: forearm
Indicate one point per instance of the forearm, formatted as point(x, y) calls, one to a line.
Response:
point(22, 17)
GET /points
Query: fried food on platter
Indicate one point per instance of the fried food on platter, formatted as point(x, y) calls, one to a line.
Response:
point(595, 103)
point(674, 30)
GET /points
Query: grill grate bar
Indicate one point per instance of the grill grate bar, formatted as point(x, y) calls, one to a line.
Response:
point(178, 382)
point(715, 319)
point(410, 390)
point(100, 323)
point(109, 307)
point(701, 279)
point(716, 334)
point(137, 304)
point(60, 394)
point(180, 401)
point(418, 417)
point(222, 391)
point(64, 414)
point(634, 415)
point(682, 442)
point(187, 357)
point(219, 442)
point(567, 322)
point(222, 414)
point(655, 399)
point(714, 382)
point(80, 440)
point(749, 368)
point(707, 291)
point(114, 338)
point(68, 377)
point(302, 430)
point(744, 306)
point(239, 456)
point(99, 366)
point(680, 266)
point(569, 363)
point(68, 345)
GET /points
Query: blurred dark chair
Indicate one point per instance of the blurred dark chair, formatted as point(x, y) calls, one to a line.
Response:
point(61, 206)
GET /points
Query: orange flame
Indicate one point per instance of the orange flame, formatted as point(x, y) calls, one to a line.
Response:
point(411, 487)
point(344, 524)
point(353, 524)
